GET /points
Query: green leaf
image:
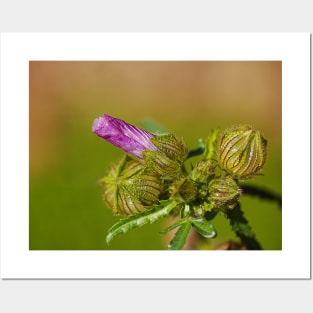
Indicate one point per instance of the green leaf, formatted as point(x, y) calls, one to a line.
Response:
point(152, 127)
point(204, 227)
point(180, 236)
point(168, 229)
point(138, 220)
point(185, 211)
point(210, 144)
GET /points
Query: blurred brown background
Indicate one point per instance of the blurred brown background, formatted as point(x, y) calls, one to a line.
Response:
point(187, 98)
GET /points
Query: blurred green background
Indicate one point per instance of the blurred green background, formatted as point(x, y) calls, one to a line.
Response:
point(189, 98)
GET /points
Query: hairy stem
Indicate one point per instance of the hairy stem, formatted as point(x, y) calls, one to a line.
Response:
point(242, 229)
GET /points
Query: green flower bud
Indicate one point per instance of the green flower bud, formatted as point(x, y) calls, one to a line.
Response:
point(224, 192)
point(202, 171)
point(130, 187)
point(183, 190)
point(171, 154)
point(242, 151)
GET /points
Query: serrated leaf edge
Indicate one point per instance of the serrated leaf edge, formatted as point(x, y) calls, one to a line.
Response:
point(138, 220)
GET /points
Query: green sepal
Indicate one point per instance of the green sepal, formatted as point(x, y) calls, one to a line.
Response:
point(180, 236)
point(171, 227)
point(172, 147)
point(203, 227)
point(138, 220)
point(159, 163)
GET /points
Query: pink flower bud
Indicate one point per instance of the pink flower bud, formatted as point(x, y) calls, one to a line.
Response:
point(131, 139)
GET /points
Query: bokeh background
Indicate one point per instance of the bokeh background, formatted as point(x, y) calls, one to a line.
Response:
point(189, 98)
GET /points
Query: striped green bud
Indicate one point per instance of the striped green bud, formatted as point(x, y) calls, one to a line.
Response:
point(169, 157)
point(223, 192)
point(242, 151)
point(130, 187)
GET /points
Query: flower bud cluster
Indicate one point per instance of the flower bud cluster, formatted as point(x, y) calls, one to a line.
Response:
point(154, 168)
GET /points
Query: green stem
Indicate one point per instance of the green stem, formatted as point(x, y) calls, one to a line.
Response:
point(198, 151)
point(242, 229)
point(195, 152)
point(262, 193)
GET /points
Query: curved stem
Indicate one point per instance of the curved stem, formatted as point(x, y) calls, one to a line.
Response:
point(195, 152)
point(262, 193)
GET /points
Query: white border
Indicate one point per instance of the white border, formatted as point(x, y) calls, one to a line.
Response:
point(18, 49)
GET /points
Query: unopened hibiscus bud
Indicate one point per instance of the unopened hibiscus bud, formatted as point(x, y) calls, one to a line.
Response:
point(131, 139)
point(242, 151)
point(130, 187)
point(169, 157)
point(223, 192)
